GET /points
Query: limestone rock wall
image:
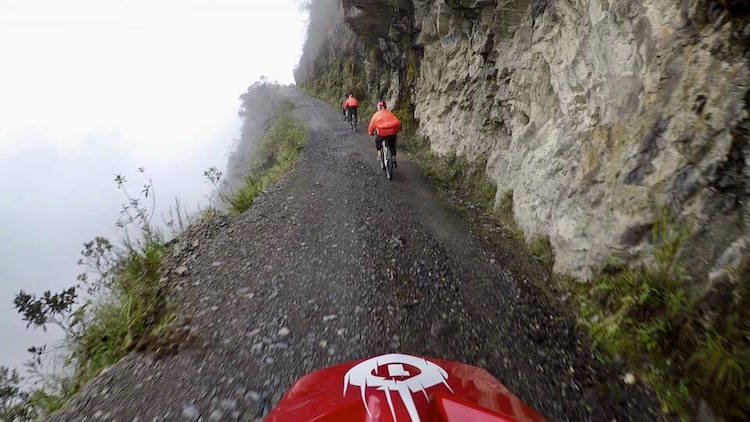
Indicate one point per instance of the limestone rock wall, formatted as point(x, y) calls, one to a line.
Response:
point(595, 113)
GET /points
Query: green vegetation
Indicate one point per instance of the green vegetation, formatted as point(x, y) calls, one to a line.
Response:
point(456, 174)
point(504, 212)
point(276, 152)
point(541, 248)
point(452, 172)
point(468, 180)
point(124, 302)
point(644, 316)
point(12, 397)
point(724, 365)
point(135, 307)
point(504, 206)
point(340, 69)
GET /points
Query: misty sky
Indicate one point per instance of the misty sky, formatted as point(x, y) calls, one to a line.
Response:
point(91, 88)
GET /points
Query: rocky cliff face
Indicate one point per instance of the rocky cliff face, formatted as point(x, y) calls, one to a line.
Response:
point(594, 113)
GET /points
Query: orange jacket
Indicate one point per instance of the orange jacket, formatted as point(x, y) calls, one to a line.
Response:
point(351, 102)
point(385, 122)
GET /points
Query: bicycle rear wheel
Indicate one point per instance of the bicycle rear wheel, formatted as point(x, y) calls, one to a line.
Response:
point(388, 161)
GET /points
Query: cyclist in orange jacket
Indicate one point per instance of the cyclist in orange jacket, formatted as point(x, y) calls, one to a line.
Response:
point(350, 108)
point(384, 125)
point(341, 103)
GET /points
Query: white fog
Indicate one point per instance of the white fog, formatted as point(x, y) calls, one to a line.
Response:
point(90, 89)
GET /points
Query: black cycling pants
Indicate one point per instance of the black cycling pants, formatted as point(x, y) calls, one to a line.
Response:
point(391, 143)
point(351, 112)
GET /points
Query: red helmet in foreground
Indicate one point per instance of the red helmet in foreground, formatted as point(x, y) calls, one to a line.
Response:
point(399, 387)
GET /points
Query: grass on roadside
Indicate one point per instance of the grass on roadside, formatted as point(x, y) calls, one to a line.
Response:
point(643, 316)
point(136, 307)
point(640, 314)
point(126, 300)
point(469, 181)
point(504, 212)
point(277, 150)
point(541, 248)
point(452, 172)
point(133, 307)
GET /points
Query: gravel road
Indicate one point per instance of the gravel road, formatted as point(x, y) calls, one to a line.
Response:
point(335, 263)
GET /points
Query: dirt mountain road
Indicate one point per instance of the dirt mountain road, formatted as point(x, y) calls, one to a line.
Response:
point(335, 263)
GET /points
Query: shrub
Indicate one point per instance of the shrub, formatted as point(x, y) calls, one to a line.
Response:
point(276, 152)
point(134, 307)
point(541, 248)
point(124, 302)
point(643, 315)
point(723, 366)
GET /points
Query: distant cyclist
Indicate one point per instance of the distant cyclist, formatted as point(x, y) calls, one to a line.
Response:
point(384, 125)
point(341, 103)
point(350, 108)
